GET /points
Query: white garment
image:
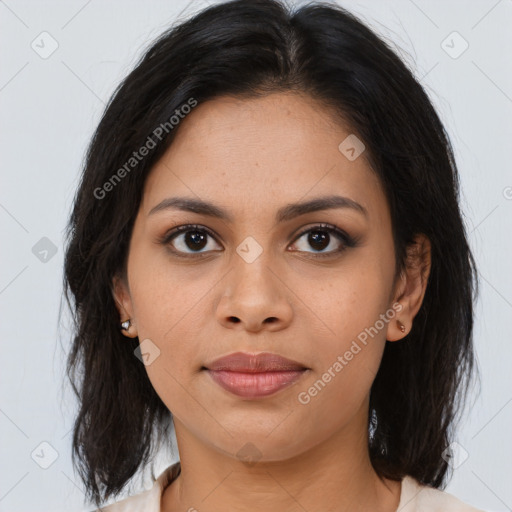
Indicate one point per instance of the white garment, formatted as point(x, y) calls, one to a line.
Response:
point(414, 497)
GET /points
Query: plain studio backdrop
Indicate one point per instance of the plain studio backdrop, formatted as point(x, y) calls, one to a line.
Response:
point(60, 63)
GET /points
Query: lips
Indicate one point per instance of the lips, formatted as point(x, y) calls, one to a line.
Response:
point(254, 375)
point(254, 363)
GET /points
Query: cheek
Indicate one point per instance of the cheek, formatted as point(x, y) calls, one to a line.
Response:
point(354, 313)
point(172, 374)
point(342, 379)
point(167, 298)
point(350, 302)
point(169, 306)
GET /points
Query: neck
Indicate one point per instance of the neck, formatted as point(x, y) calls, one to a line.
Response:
point(336, 475)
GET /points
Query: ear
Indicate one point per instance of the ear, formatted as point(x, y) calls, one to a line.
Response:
point(122, 298)
point(411, 286)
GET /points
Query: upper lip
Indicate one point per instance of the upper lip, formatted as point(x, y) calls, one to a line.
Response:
point(254, 363)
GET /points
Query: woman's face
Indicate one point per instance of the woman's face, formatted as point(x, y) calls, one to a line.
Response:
point(263, 279)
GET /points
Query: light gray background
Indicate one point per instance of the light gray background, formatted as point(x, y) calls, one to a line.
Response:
point(49, 108)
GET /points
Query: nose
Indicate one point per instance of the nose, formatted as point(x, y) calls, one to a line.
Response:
point(254, 298)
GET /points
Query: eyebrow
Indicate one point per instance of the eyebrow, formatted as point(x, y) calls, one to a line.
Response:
point(286, 213)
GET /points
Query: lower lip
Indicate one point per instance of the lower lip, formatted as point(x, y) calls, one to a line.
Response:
point(255, 385)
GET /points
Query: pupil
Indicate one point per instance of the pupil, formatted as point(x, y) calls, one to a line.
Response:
point(197, 238)
point(318, 238)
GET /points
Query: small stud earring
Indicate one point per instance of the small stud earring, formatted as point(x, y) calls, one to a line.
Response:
point(400, 325)
point(125, 325)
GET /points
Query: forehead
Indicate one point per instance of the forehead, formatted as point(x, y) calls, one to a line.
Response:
point(247, 153)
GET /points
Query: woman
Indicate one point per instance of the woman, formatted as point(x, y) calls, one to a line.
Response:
point(266, 253)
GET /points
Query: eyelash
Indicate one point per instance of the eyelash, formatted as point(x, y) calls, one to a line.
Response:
point(344, 238)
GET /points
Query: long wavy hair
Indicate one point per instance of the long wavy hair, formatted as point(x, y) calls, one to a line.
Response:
point(250, 48)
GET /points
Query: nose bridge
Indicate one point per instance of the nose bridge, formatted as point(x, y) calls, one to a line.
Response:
point(252, 265)
point(254, 294)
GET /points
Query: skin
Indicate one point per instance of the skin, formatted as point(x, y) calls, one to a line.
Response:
point(252, 157)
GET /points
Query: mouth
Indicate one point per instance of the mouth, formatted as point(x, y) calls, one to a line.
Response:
point(254, 375)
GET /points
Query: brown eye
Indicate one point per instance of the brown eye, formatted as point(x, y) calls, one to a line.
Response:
point(190, 240)
point(319, 240)
point(323, 237)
